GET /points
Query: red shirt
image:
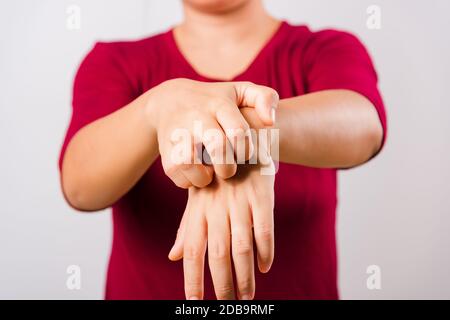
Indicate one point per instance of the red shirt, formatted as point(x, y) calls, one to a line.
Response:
point(295, 61)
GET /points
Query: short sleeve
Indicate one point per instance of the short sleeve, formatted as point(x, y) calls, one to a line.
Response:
point(101, 86)
point(338, 60)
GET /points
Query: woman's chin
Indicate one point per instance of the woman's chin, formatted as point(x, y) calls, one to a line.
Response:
point(215, 6)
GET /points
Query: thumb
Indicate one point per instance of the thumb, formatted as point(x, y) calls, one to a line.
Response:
point(264, 99)
point(176, 253)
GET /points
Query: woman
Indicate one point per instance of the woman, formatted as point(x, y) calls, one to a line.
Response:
point(228, 65)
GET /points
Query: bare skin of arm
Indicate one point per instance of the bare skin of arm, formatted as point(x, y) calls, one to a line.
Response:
point(336, 128)
point(327, 129)
point(106, 158)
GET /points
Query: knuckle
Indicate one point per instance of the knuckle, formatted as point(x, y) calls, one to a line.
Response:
point(193, 289)
point(170, 169)
point(224, 291)
point(275, 95)
point(270, 95)
point(247, 83)
point(192, 252)
point(264, 231)
point(245, 285)
point(227, 171)
point(204, 182)
point(218, 103)
point(218, 251)
point(193, 284)
point(242, 246)
point(239, 129)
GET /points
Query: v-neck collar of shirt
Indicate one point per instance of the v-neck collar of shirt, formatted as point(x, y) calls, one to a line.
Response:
point(266, 49)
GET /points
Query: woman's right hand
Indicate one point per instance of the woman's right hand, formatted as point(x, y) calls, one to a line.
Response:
point(187, 111)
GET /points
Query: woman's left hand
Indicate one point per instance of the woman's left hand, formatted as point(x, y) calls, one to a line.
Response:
point(224, 218)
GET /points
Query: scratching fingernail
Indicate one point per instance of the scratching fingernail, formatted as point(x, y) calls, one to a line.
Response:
point(251, 149)
point(194, 298)
point(246, 297)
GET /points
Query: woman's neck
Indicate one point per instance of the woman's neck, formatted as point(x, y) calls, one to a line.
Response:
point(248, 20)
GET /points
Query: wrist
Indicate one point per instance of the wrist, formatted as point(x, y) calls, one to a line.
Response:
point(158, 96)
point(151, 106)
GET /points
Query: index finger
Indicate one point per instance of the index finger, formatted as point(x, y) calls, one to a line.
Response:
point(264, 99)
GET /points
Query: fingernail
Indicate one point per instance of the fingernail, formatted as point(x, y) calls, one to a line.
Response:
point(194, 298)
point(246, 297)
point(251, 148)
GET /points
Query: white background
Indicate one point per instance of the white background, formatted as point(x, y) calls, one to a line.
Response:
point(393, 212)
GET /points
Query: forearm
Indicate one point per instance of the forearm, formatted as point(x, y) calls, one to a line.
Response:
point(328, 129)
point(107, 157)
point(331, 129)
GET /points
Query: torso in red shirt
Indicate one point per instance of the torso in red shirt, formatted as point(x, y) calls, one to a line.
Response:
point(294, 62)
